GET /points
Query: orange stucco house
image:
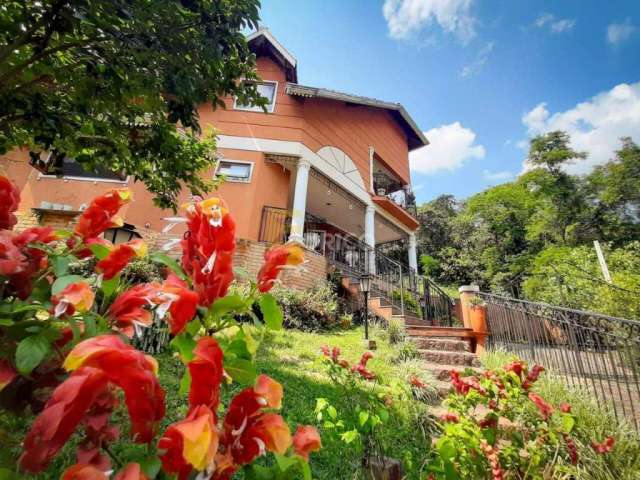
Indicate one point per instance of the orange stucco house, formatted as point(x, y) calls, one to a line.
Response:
point(322, 167)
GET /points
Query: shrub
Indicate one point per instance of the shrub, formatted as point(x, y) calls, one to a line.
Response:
point(143, 270)
point(346, 321)
point(309, 310)
point(406, 350)
point(395, 331)
point(407, 300)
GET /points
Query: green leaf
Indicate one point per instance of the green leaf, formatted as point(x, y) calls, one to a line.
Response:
point(109, 286)
point(363, 417)
point(62, 282)
point(184, 345)
point(185, 383)
point(90, 328)
point(61, 264)
point(284, 463)
point(258, 472)
point(332, 412)
point(99, 251)
point(193, 327)
point(271, 312)
point(5, 322)
point(568, 422)
point(240, 369)
point(384, 415)
point(321, 404)
point(226, 305)
point(150, 466)
point(305, 469)
point(349, 436)
point(31, 352)
point(166, 260)
point(446, 449)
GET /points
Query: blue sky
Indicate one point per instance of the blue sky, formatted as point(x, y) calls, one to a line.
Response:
point(479, 76)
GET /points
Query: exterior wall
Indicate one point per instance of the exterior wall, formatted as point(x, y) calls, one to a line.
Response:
point(313, 122)
point(250, 257)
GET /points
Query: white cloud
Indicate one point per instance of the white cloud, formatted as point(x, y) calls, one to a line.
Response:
point(595, 126)
point(405, 18)
point(555, 25)
point(450, 146)
point(501, 176)
point(619, 32)
point(476, 66)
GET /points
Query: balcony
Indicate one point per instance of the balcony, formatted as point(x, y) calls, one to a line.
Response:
point(396, 198)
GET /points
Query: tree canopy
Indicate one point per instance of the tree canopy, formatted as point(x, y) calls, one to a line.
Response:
point(115, 84)
point(534, 236)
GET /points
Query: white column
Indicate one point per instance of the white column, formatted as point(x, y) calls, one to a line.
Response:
point(299, 201)
point(370, 235)
point(413, 256)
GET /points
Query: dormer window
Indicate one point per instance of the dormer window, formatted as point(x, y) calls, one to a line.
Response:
point(267, 90)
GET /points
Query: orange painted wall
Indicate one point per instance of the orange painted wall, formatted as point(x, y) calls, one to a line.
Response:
point(315, 122)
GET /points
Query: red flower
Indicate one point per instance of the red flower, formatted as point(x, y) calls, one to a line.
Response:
point(207, 249)
point(565, 408)
point(491, 453)
point(515, 367)
point(417, 382)
point(306, 440)
point(181, 303)
point(101, 213)
point(449, 417)
point(86, 252)
point(335, 354)
point(60, 417)
point(206, 374)
point(75, 297)
point(9, 201)
point(12, 261)
point(361, 368)
point(275, 259)
point(325, 350)
point(571, 448)
point(462, 385)
point(545, 409)
point(605, 447)
point(83, 471)
point(98, 432)
point(488, 422)
point(120, 256)
point(131, 471)
point(532, 376)
point(190, 443)
point(7, 373)
point(248, 431)
point(132, 371)
point(128, 309)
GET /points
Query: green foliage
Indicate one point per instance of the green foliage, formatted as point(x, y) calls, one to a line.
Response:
point(107, 83)
point(591, 421)
point(571, 276)
point(429, 265)
point(309, 310)
point(517, 238)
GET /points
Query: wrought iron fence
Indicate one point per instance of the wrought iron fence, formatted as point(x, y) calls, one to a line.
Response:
point(438, 307)
point(587, 350)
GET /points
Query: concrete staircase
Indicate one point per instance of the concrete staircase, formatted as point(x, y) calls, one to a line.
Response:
point(442, 348)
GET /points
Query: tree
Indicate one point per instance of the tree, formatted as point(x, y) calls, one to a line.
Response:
point(108, 82)
point(552, 151)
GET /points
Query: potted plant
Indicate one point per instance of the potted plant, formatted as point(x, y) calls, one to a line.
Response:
point(478, 315)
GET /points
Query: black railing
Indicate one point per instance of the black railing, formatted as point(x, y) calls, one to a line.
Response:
point(409, 292)
point(587, 350)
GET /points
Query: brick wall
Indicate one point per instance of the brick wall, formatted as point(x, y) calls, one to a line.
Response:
point(249, 254)
point(250, 257)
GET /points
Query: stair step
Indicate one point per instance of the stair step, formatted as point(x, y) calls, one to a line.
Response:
point(442, 344)
point(431, 331)
point(450, 358)
point(443, 372)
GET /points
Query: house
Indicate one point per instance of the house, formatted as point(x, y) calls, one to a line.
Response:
point(325, 168)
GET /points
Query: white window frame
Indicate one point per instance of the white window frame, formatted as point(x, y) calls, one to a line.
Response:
point(231, 179)
point(124, 181)
point(270, 108)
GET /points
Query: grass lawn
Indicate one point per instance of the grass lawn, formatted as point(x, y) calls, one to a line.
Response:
point(294, 359)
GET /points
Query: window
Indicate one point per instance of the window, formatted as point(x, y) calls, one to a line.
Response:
point(267, 90)
point(72, 169)
point(235, 171)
